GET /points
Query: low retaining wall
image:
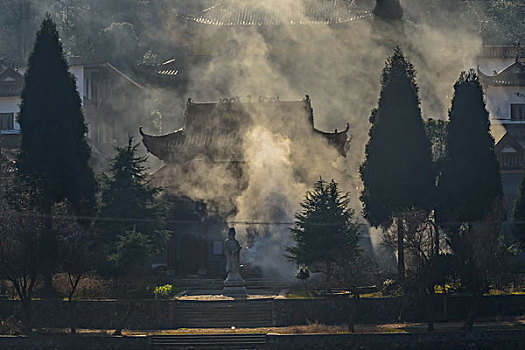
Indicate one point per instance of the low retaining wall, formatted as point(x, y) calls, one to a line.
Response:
point(497, 340)
point(336, 310)
point(97, 314)
point(70, 342)
point(162, 314)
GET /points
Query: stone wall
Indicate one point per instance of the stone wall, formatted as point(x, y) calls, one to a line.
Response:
point(70, 342)
point(162, 314)
point(337, 309)
point(497, 340)
point(146, 314)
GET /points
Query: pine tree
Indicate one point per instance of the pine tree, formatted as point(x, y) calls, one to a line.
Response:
point(518, 213)
point(130, 207)
point(322, 227)
point(470, 180)
point(398, 172)
point(131, 221)
point(54, 153)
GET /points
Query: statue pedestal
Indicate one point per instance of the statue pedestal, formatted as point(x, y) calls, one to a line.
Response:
point(234, 286)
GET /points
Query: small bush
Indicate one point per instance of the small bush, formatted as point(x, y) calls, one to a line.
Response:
point(164, 292)
point(391, 288)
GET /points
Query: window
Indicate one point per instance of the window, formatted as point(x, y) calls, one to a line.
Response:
point(517, 111)
point(7, 121)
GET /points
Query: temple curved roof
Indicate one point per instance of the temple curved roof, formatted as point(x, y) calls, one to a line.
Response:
point(513, 75)
point(257, 13)
point(215, 130)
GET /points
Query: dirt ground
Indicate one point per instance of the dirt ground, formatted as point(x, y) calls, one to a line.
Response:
point(518, 323)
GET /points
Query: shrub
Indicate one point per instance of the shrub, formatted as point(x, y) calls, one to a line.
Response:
point(391, 288)
point(164, 292)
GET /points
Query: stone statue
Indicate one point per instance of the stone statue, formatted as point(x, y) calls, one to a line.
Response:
point(234, 285)
point(232, 249)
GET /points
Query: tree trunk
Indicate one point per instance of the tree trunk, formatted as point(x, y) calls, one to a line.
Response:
point(306, 287)
point(401, 262)
point(445, 304)
point(469, 320)
point(124, 322)
point(72, 316)
point(27, 314)
point(354, 312)
point(431, 298)
point(403, 306)
point(48, 254)
point(400, 249)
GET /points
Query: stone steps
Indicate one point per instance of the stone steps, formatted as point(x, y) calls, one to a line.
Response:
point(211, 341)
point(224, 314)
point(251, 283)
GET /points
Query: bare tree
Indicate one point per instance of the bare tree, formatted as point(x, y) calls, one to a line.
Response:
point(425, 266)
point(21, 229)
point(353, 270)
point(76, 251)
point(482, 257)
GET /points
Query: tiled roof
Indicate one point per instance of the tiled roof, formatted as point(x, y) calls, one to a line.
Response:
point(170, 73)
point(501, 52)
point(513, 75)
point(256, 13)
point(214, 130)
point(11, 82)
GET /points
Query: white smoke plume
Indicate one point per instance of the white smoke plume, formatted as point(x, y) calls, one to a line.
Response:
point(339, 65)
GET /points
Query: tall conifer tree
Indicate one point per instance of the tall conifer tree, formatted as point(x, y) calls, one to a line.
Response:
point(54, 153)
point(397, 173)
point(470, 180)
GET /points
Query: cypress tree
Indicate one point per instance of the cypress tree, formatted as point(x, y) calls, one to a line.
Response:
point(398, 172)
point(53, 152)
point(470, 179)
point(518, 213)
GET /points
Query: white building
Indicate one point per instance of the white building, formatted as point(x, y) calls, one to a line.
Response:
point(502, 73)
point(111, 101)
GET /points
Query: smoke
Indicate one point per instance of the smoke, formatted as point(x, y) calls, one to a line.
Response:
point(337, 62)
point(272, 195)
point(339, 65)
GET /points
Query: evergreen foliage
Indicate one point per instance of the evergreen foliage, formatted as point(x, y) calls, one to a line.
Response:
point(131, 217)
point(518, 213)
point(388, 9)
point(397, 173)
point(436, 131)
point(324, 225)
point(54, 153)
point(470, 180)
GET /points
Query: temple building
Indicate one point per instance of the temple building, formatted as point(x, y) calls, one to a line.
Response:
point(205, 163)
point(501, 71)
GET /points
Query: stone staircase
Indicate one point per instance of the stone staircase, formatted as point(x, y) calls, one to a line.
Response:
point(211, 341)
point(210, 283)
point(224, 313)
